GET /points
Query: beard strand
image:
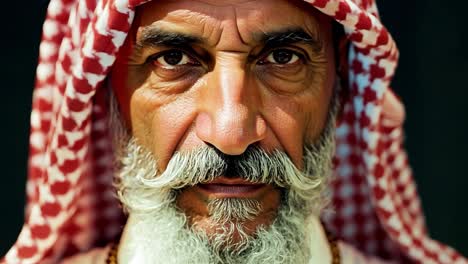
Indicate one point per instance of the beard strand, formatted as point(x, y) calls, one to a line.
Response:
point(223, 210)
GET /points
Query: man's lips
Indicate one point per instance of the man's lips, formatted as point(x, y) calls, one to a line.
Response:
point(223, 187)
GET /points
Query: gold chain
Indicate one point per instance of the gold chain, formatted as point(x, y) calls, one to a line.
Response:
point(335, 250)
point(112, 255)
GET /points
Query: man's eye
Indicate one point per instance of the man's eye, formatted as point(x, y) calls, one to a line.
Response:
point(281, 56)
point(174, 58)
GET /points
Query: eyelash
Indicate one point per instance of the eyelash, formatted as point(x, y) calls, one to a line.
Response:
point(263, 55)
point(155, 57)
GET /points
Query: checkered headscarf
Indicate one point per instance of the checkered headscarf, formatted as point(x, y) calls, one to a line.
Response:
point(71, 203)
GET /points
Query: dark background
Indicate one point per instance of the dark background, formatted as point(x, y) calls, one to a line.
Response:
point(433, 39)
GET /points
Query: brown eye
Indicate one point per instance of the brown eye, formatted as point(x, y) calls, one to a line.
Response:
point(174, 58)
point(281, 56)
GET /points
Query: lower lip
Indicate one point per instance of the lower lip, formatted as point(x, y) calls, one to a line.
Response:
point(232, 190)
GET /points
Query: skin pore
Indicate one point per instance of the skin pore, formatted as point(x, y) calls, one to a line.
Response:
point(228, 74)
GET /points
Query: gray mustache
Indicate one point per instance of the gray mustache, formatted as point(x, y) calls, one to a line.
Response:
point(251, 165)
point(206, 163)
point(140, 183)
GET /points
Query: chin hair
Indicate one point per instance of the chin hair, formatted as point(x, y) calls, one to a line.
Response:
point(164, 235)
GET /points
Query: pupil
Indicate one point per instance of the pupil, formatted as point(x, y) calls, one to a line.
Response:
point(282, 56)
point(173, 57)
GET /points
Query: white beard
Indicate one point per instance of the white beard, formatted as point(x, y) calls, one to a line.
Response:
point(158, 231)
point(163, 237)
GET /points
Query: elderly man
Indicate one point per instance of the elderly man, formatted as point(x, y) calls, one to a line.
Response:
point(222, 116)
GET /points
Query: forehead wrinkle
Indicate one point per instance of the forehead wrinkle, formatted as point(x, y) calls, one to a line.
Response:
point(213, 18)
point(265, 25)
point(236, 22)
point(186, 22)
point(229, 38)
point(231, 27)
point(218, 27)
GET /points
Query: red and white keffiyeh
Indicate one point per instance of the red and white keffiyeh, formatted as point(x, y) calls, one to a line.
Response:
point(71, 202)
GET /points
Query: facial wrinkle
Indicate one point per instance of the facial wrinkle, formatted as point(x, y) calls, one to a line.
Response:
point(236, 23)
point(230, 40)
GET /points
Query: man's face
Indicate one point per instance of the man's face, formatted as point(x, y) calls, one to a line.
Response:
point(227, 74)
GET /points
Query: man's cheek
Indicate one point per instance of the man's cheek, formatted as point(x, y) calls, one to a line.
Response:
point(285, 119)
point(169, 128)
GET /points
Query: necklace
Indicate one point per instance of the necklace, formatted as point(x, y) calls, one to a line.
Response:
point(332, 241)
point(112, 255)
point(335, 250)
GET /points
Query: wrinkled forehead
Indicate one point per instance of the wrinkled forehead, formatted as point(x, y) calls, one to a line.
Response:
point(231, 24)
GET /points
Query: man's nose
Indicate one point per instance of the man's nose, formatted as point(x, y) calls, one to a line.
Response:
point(230, 117)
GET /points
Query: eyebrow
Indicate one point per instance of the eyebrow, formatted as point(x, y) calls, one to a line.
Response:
point(152, 36)
point(290, 36)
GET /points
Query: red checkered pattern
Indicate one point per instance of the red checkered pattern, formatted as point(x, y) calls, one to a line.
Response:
point(71, 206)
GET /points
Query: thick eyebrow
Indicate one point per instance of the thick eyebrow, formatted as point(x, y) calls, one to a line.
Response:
point(290, 36)
point(151, 36)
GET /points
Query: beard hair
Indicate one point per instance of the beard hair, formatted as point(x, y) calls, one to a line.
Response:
point(161, 233)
